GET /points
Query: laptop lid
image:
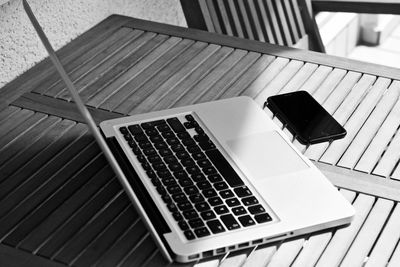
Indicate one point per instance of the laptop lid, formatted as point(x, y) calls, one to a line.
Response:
point(93, 127)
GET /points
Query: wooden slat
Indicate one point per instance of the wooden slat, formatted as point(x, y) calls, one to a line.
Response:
point(111, 96)
point(380, 141)
point(299, 20)
point(300, 78)
point(357, 119)
point(341, 241)
point(245, 18)
point(395, 259)
point(343, 112)
point(213, 15)
point(312, 250)
point(286, 253)
point(124, 54)
point(233, 259)
point(191, 80)
point(256, 21)
point(206, 15)
point(396, 173)
point(370, 127)
point(387, 241)
point(260, 256)
point(6, 113)
point(138, 255)
point(279, 81)
point(83, 64)
point(224, 17)
point(274, 20)
point(236, 21)
point(318, 76)
point(329, 85)
point(263, 80)
point(282, 20)
point(292, 23)
point(168, 71)
point(210, 80)
point(390, 158)
point(365, 239)
point(111, 84)
point(264, 21)
point(13, 121)
point(166, 87)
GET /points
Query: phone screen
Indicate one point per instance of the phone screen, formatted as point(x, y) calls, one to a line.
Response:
point(305, 117)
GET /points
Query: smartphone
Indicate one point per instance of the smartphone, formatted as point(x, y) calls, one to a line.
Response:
point(305, 118)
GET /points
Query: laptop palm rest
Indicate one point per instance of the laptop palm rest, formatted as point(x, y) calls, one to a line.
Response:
point(266, 154)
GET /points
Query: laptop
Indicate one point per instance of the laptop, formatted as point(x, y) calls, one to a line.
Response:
point(214, 177)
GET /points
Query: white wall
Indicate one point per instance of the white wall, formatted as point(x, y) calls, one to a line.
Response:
point(63, 20)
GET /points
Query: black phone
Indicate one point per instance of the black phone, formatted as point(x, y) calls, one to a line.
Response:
point(305, 117)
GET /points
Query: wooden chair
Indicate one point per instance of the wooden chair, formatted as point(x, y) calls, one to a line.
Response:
point(282, 22)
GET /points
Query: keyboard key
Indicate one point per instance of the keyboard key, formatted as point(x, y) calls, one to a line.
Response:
point(149, 151)
point(209, 170)
point(179, 175)
point(160, 145)
point(159, 166)
point(173, 141)
point(198, 155)
point(145, 145)
point(201, 137)
point(171, 207)
point(156, 139)
point(198, 177)
point(180, 197)
point(189, 235)
point(209, 193)
point(183, 225)
point(182, 155)
point(202, 206)
point(220, 186)
point(256, 209)
point(167, 199)
point(175, 167)
point(203, 185)
point(239, 210)
point(165, 152)
point(204, 163)
point(185, 205)
point(151, 132)
point(168, 134)
point(232, 202)
point(161, 190)
point(196, 198)
point(177, 216)
point(123, 130)
point(246, 221)
point(216, 226)
point(155, 181)
point(163, 127)
point(215, 201)
point(221, 209)
point(263, 217)
point(177, 147)
point(189, 117)
point(154, 158)
point(174, 189)
point(188, 125)
point(193, 149)
point(141, 138)
point(171, 160)
point(192, 169)
point(207, 215)
point(214, 178)
point(242, 191)
point(188, 142)
point(185, 182)
point(190, 190)
point(207, 145)
point(188, 162)
point(151, 174)
point(230, 222)
point(196, 223)
point(190, 214)
point(224, 168)
point(128, 137)
point(176, 125)
point(135, 129)
point(248, 201)
point(183, 135)
point(201, 232)
point(226, 194)
point(199, 130)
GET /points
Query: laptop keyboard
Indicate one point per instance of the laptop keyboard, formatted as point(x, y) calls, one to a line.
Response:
point(197, 184)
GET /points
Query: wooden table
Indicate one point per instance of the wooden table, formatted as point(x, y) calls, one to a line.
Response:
point(60, 203)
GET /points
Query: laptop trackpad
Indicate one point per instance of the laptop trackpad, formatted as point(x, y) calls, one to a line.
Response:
point(266, 154)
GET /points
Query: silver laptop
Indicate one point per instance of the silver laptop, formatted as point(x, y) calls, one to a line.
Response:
point(214, 177)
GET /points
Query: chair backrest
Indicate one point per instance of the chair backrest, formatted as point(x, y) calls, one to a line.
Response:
point(282, 22)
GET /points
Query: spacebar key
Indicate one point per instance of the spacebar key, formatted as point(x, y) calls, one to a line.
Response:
point(224, 167)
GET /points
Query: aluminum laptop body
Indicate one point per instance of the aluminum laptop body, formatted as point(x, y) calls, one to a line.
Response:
point(293, 195)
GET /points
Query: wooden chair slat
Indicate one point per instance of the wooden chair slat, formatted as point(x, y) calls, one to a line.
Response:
point(370, 128)
point(312, 250)
point(245, 18)
point(274, 21)
point(13, 121)
point(100, 90)
point(229, 79)
point(26, 139)
point(27, 155)
point(60, 192)
point(139, 254)
point(300, 78)
point(83, 195)
point(282, 20)
point(251, 74)
point(395, 259)
point(234, 261)
point(109, 100)
point(208, 82)
point(83, 80)
point(380, 141)
point(299, 20)
point(390, 158)
point(260, 256)
point(193, 79)
point(369, 232)
point(213, 15)
point(275, 86)
point(160, 78)
point(236, 20)
point(87, 61)
point(341, 241)
point(256, 21)
point(224, 17)
point(6, 113)
point(357, 119)
point(386, 242)
point(396, 173)
point(343, 112)
point(118, 69)
point(189, 68)
point(264, 22)
point(292, 23)
point(207, 16)
point(286, 253)
point(263, 80)
point(314, 81)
